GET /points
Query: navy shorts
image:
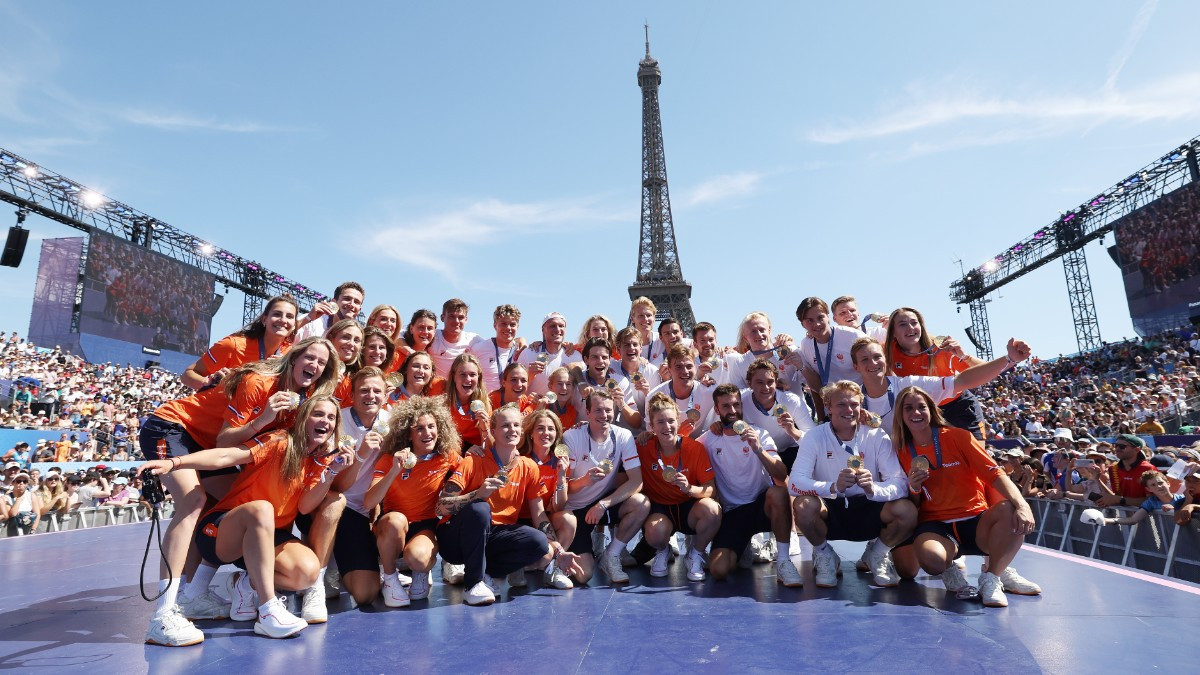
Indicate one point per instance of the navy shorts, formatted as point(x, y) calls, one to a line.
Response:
point(206, 539)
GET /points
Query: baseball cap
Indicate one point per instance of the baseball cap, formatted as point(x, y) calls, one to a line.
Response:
point(11, 465)
point(120, 480)
point(553, 315)
point(1132, 440)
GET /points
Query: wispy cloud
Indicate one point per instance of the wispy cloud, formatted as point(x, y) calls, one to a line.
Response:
point(445, 242)
point(185, 122)
point(1171, 98)
point(722, 188)
point(1140, 23)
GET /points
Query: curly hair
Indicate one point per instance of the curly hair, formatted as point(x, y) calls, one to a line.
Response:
point(405, 415)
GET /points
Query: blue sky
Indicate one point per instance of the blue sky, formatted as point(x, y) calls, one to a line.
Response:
point(492, 150)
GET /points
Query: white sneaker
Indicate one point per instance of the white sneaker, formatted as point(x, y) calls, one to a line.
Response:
point(558, 579)
point(394, 594)
point(243, 601)
point(955, 579)
point(676, 548)
point(863, 565)
point(452, 574)
point(517, 579)
point(405, 580)
point(770, 549)
point(991, 590)
point(883, 571)
point(208, 605)
point(658, 567)
point(695, 563)
point(749, 555)
point(171, 629)
point(420, 586)
point(312, 604)
point(1016, 584)
point(277, 622)
point(612, 567)
point(787, 574)
point(333, 583)
point(479, 594)
point(827, 563)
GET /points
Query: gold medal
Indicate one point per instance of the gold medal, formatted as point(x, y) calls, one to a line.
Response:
point(636, 376)
point(668, 473)
point(293, 400)
point(714, 363)
point(561, 451)
point(346, 442)
point(783, 351)
point(476, 407)
point(854, 462)
point(551, 398)
point(502, 477)
point(778, 410)
point(410, 460)
point(874, 421)
point(543, 358)
point(920, 462)
point(610, 384)
point(381, 428)
point(606, 466)
point(739, 427)
point(693, 415)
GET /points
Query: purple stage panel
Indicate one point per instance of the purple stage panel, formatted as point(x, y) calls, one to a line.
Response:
point(71, 602)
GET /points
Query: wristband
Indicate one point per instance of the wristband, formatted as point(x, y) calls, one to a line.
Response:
point(175, 461)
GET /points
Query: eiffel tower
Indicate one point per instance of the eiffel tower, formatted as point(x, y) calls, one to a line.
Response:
point(659, 276)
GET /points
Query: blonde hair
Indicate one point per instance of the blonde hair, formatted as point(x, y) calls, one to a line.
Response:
point(526, 445)
point(280, 368)
point(847, 387)
point(587, 327)
point(297, 437)
point(477, 394)
point(743, 345)
point(399, 321)
point(658, 403)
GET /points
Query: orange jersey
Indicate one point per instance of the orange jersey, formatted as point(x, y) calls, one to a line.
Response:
point(957, 489)
point(201, 415)
point(465, 423)
point(548, 477)
point(940, 364)
point(344, 393)
point(568, 416)
point(262, 479)
point(436, 387)
point(691, 461)
point(525, 403)
point(524, 484)
point(416, 496)
point(396, 362)
point(238, 350)
point(250, 400)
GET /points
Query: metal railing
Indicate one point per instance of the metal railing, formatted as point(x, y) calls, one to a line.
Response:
point(87, 518)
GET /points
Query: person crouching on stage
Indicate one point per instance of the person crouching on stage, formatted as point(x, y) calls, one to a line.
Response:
point(286, 473)
point(680, 484)
point(541, 441)
point(948, 473)
point(419, 454)
point(479, 506)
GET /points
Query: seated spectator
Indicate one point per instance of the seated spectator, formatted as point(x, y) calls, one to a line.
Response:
point(25, 507)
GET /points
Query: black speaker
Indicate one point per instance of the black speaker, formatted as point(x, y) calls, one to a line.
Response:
point(14, 248)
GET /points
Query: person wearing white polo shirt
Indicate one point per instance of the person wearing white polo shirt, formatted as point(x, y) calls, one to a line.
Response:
point(597, 374)
point(633, 372)
point(694, 400)
point(782, 414)
point(549, 355)
point(452, 339)
point(747, 467)
point(711, 367)
point(824, 356)
point(849, 485)
point(754, 343)
point(598, 452)
point(845, 313)
point(496, 353)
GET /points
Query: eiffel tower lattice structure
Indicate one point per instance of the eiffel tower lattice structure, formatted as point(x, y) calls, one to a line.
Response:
point(659, 276)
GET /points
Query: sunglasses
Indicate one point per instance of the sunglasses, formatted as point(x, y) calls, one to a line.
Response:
point(1121, 446)
point(20, 482)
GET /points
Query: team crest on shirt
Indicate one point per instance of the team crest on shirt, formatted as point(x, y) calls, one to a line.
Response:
point(840, 357)
point(745, 449)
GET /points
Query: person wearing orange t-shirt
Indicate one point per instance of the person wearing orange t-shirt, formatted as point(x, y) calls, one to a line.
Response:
point(948, 471)
point(378, 349)
point(562, 385)
point(680, 484)
point(479, 506)
point(414, 378)
point(514, 384)
point(347, 338)
point(387, 319)
point(271, 334)
point(541, 441)
point(911, 350)
point(284, 474)
point(421, 452)
point(467, 401)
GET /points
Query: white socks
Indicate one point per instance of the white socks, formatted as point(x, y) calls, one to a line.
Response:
point(170, 590)
point(784, 549)
point(879, 548)
point(200, 580)
point(616, 546)
point(320, 582)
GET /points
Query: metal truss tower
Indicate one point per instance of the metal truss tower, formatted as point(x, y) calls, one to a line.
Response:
point(659, 276)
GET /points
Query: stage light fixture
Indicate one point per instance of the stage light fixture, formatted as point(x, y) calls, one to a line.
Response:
point(30, 171)
point(206, 249)
point(990, 266)
point(91, 199)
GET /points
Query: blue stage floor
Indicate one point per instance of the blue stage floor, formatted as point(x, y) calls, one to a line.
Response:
point(69, 603)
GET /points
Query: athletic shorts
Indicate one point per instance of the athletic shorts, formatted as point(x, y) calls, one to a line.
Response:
point(206, 539)
point(961, 532)
point(354, 547)
point(860, 521)
point(582, 543)
point(179, 443)
point(741, 523)
point(676, 513)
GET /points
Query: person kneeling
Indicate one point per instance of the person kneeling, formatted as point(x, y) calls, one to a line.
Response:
point(286, 473)
point(948, 473)
point(837, 496)
point(680, 485)
point(480, 504)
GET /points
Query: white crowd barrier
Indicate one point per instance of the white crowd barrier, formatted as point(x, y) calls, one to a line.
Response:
point(86, 518)
point(1156, 544)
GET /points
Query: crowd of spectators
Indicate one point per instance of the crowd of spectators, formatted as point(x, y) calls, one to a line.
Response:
point(1161, 239)
point(1136, 386)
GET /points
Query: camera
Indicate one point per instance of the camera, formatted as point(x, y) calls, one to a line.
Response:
point(152, 488)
